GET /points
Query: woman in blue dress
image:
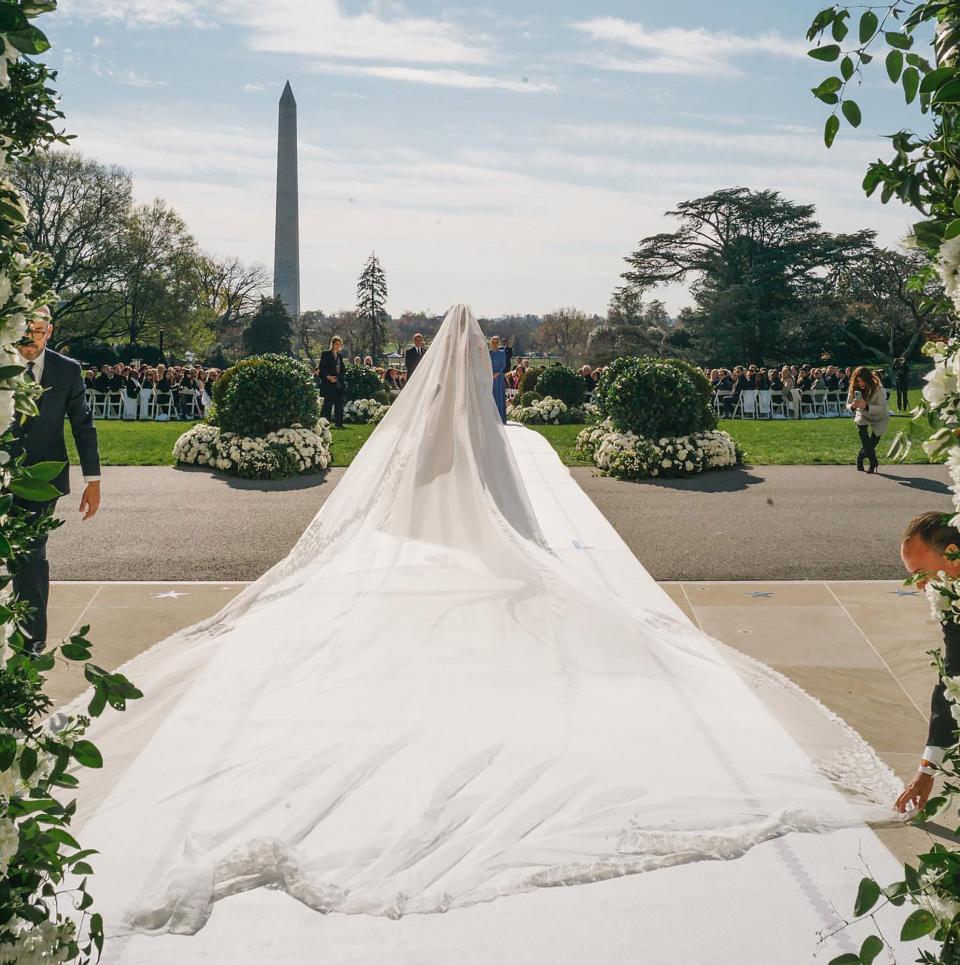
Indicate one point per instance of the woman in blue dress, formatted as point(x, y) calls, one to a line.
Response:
point(498, 359)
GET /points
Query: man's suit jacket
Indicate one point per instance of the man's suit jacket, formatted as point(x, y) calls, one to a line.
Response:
point(509, 354)
point(41, 436)
point(331, 364)
point(412, 358)
point(943, 728)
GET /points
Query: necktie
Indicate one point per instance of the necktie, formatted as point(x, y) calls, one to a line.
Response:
point(29, 374)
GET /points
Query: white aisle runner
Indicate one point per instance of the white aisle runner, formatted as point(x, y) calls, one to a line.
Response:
point(768, 906)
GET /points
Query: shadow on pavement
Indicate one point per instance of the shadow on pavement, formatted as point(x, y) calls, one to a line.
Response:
point(919, 482)
point(298, 483)
point(724, 481)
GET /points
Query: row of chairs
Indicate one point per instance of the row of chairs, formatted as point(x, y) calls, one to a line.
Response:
point(150, 406)
point(792, 404)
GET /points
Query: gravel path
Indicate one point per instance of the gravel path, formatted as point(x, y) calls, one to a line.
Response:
point(762, 523)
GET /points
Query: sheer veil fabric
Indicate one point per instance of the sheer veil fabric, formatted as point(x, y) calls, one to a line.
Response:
point(422, 708)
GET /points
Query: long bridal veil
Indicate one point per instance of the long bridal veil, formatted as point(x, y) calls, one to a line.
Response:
point(422, 708)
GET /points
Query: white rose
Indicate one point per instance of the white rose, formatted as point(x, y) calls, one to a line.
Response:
point(666, 463)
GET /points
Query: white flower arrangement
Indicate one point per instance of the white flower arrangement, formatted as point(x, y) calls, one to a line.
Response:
point(306, 450)
point(363, 411)
point(626, 455)
point(546, 412)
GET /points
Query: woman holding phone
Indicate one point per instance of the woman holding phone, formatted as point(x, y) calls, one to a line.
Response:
point(867, 400)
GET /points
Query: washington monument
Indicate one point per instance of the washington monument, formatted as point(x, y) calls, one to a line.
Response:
point(286, 249)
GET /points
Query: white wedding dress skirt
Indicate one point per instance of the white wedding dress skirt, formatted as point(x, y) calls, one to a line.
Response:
point(423, 708)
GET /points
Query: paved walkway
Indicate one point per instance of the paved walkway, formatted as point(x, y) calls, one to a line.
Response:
point(782, 522)
point(860, 648)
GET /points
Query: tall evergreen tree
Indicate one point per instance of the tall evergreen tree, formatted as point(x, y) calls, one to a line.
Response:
point(371, 304)
point(270, 329)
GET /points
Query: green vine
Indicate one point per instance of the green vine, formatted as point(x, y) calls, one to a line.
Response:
point(45, 907)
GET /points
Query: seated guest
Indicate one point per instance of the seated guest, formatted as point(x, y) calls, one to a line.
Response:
point(775, 381)
point(831, 380)
point(391, 379)
point(102, 382)
point(131, 384)
point(89, 380)
point(164, 387)
point(803, 380)
point(816, 380)
point(725, 384)
point(586, 375)
point(368, 362)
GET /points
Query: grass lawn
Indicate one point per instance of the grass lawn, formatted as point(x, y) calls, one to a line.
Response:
point(151, 443)
point(766, 443)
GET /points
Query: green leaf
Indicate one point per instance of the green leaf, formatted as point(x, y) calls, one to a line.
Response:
point(868, 26)
point(953, 230)
point(867, 896)
point(828, 53)
point(894, 65)
point(34, 490)
point(846, 68)
point(58, 834)
point(852, 113)
point(920, 923)
point(30, 40)
point(46, 471)
point(870, 949)
point(43, 663)
point(9, 371)
point(935, 78)
point(75, 651)
point(899, 40)
point(948, 93)
point(11, 18)
point(8, 751)
point(87, 754)
point(830, 131)
point(846, 959)
point(840, 28)
point(911, 83)
point(28, 762)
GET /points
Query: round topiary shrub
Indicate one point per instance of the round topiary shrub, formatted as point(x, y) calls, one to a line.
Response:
point(264, 393)
point(559, 382)
point(528, 398)
point(359, 382)
point(655, 397)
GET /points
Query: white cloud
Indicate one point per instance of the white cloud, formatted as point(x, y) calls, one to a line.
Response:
point(675, 50)
point(259, 88)
point(309, 28)
point(129, 78)
point(439, 76)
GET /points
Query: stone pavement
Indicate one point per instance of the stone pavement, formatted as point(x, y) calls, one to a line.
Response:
point(768, 522)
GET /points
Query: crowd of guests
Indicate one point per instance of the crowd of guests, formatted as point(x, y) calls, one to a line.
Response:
point(791, 381)
point(153, 391)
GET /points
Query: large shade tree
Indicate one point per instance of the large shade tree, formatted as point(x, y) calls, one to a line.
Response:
point(751, 258)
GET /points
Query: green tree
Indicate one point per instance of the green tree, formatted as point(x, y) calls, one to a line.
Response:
point(270, 330)
point(754, 258)
point(372, 305)
point(78, 213)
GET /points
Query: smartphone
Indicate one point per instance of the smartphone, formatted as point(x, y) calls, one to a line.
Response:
point(857, 395)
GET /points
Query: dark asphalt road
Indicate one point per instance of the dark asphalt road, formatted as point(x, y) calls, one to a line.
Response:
point(763, 523)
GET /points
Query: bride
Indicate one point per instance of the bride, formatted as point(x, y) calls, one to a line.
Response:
point(522, 728)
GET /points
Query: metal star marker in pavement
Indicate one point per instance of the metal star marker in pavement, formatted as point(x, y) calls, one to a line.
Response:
point(759, 595)
point(907, 592)
point(169, 595)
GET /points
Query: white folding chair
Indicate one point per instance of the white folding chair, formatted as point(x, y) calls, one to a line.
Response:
point(188, 404)
point(163, 408)
point(131, 408)
point(820, 402)
point(808, 409)
point(99, 406)
point(748, 403)
point(765, 404)
point(114, 405)
point(778, 406)
point(148, 403)
point(832, 404)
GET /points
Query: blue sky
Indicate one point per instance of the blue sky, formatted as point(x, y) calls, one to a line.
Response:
point(508, 155)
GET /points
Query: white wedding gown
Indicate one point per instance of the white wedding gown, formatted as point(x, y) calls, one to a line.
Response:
point(423, 708)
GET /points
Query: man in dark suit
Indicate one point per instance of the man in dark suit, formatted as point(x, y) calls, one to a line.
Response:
point(332, 371)
point(40, 438)
point(928, 543)
point(508, 352)
point(413, 355)
point(901, 380)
